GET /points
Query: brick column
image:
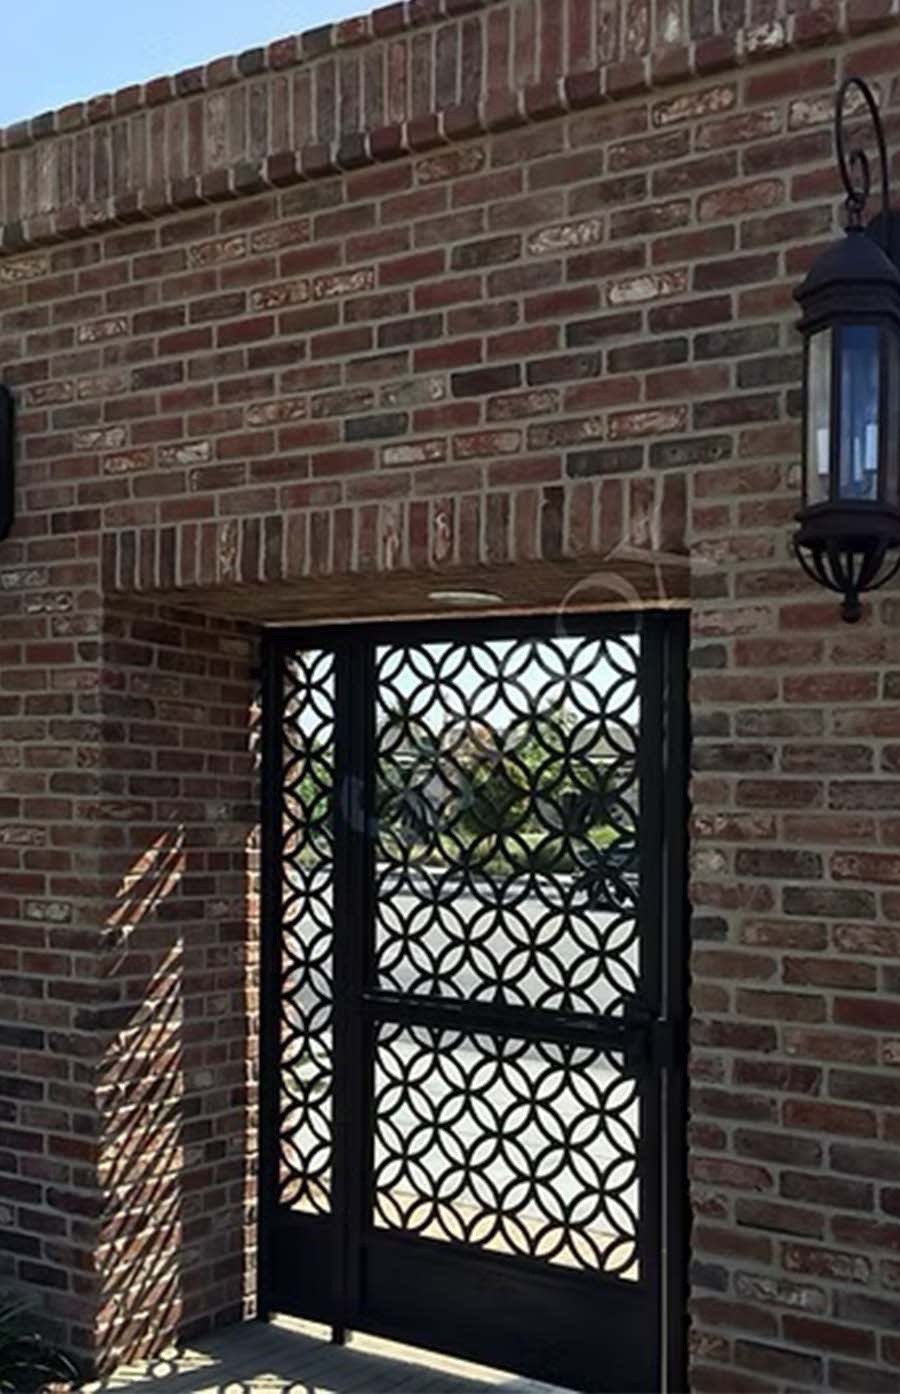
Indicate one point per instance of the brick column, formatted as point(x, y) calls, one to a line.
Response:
point(177, 977)
point(126, 1039)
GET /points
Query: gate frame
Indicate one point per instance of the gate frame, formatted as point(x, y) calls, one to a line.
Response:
point(669, 1037)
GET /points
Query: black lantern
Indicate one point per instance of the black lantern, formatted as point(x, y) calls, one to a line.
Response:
point(7, 474)
point(850, 520)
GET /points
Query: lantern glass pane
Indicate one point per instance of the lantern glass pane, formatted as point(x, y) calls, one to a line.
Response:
point(818, 419)
point(890, 416)
point(860, 365)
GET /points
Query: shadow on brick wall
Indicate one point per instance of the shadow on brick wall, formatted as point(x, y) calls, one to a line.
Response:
point(176, 1094)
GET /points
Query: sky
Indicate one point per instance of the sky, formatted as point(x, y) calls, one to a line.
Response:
point(59, 51)
point(446, 683)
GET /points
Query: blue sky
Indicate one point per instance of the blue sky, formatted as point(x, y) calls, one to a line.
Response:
point(58, 51)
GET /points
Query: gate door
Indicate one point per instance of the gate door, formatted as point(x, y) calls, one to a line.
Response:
point(471, 1080)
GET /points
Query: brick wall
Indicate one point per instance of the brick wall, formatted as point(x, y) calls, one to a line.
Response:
point(174, 815)
point(529, 339)
point(341, 95)
point(128, 1012)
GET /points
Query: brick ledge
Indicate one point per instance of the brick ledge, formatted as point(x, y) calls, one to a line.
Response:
point(500, 109)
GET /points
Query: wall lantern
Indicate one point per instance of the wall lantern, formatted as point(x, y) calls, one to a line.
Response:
point(7, 475)
point(849, 531)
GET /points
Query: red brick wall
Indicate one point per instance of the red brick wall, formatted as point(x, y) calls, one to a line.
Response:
point(128, 952)
point(512, 348)
point(338, 96)
point(175, 815)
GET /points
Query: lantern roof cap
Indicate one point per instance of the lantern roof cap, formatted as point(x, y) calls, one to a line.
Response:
point(854, 260)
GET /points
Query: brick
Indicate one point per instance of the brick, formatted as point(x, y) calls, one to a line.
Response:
point(831, 1118)
point(451, 164)
point(742, 126)
point(651, 286)
point(730, 1243)
point(779, 1218)
point(715, 1311)
point(868, 1014)
point(827, 1190)
point(24, 268)
point(865, 794)
point(375, 427)
point(745, 270)
point(826, 1263)
point(784, 1006)
point(779, 864)
point(812, 972)
point(826, 1336)
point(731, 1174)
point(484, 381)
point(275, 297)
point(649, 150)
point(494, 251)
point(860, 1230)
point(777, 1147)
point(415, 453)
point(583, 365)
point(650, 422)
point(563, 237)
point(780, 1292)
point(867, 940)
point(343, 283)
point(778, 1361)
point(862, 1087)
point(717, 98)
point(839, 904)
point(860, 1160)
point(581, 464)
point(866, 867)
point(112, 328)
point(647, 219)
point(731, 201)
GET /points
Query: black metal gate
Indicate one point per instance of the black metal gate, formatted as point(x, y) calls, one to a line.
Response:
point(472, 1087)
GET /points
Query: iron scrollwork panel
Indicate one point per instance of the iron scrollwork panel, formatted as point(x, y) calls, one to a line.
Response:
point(307, 908)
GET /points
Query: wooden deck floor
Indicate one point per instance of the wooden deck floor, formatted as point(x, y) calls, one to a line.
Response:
point(290, 1357)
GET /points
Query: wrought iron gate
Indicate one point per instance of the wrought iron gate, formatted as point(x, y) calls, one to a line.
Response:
point(473, 990)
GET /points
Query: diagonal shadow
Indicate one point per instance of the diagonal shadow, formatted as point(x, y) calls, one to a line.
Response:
point(260, 1359)
point(173, 1082)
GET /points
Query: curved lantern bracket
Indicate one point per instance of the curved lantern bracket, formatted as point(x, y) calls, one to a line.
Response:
point(856, 171)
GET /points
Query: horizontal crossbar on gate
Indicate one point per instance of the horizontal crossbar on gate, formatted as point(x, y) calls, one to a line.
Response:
point(472, 1018)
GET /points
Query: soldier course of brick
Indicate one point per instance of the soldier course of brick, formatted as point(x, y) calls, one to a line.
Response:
point(493, 291)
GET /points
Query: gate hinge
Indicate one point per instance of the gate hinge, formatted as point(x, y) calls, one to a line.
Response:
point(665, 1035)
point(653, 1041)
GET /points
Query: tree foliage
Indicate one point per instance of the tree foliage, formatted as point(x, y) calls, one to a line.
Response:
point(541, 792)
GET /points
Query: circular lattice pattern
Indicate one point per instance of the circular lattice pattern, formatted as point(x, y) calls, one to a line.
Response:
point(307, 908)
point(507, 789)
point(518, 1147)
